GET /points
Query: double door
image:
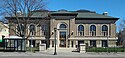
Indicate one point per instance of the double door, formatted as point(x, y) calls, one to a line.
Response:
point(62, 39)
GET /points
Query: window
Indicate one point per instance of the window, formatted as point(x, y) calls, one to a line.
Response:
point(20, 29)
point(44, 29)
point(72, 43)
point(93, 30)
point(93, 43)
point(62, 34)
point(32, 29)
point(80, 30)
point(104, 43)
point(62, 26)
point(104, 30)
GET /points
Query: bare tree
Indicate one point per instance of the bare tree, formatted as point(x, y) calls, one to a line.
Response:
point(121, 25)
point(21, 11)
point(121, 30)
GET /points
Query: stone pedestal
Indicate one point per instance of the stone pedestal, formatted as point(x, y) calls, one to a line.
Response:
point(82, 48)
point(42, 47)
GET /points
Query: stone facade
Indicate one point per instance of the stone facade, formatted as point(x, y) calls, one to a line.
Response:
point(72, 29)
point(87, 36)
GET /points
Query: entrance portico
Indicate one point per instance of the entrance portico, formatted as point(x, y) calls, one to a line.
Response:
point(62, 35)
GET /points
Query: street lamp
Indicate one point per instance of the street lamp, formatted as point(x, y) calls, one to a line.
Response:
point(107, 43)
point(31, 46)
point(32, 30)
point(55, 53)
point(116, 44)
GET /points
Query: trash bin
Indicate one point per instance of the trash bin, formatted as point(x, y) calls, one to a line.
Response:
point(82, 48)
point(42, 47)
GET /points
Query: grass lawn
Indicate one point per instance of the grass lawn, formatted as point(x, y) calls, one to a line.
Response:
point(110, 49)
point(34, 49)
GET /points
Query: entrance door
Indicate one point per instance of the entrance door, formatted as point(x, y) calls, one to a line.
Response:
point(104, 43)
point(93, 43)
point(62, 39)
point(32, 43)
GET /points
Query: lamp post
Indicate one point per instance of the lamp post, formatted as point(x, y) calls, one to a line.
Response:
point(107, 43)
point(55, 53)
point(31, 46)
point(116, 44)
point(32, 29)
point(115, 47)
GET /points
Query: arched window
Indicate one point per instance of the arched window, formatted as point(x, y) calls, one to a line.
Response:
point(93, 30)
point(104, 30)
point(62, 26)
point(80, 30)
point(44, 29)
point(38, 32)
point(32, 29)
point(20, 29)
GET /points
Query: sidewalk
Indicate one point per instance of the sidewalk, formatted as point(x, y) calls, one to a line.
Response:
point(64, 53)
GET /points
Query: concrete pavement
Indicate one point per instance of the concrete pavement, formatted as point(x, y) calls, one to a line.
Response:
point(62, 53)
point(74, 55)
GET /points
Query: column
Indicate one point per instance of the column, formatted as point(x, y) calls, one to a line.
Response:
point(35, 43)
point(66, 43)
point(50, 43)
point(77, 43)
point(88, 42)
point(70, 44)
point(74, 44)
point(98, 43)
point(40, 42)
point(109, 30)
point(27, 43)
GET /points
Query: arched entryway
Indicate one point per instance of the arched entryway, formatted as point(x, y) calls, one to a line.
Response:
point(62, 35)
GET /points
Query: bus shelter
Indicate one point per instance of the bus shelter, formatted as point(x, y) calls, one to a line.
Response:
point(14, 43)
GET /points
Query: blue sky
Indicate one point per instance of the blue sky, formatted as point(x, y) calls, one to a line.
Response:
point(115, 8)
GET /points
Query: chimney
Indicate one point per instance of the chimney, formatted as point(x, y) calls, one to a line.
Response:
point(105, 13)
point(19, 13)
